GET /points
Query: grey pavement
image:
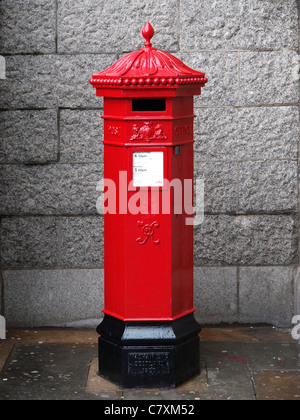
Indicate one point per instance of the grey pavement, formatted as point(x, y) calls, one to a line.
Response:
point(237, 363)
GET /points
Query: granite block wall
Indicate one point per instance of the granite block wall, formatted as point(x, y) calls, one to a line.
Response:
point(247, 151)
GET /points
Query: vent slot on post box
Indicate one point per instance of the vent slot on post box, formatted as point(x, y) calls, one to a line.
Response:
point(149, 105)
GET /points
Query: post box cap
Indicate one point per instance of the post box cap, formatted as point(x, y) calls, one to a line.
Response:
point(148, 68)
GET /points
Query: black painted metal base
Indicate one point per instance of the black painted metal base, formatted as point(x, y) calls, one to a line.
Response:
point(149, 354)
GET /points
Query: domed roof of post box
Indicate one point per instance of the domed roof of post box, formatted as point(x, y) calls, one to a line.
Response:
point(148, 68)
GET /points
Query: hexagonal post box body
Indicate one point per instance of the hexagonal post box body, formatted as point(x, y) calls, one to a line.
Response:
point(149, 336)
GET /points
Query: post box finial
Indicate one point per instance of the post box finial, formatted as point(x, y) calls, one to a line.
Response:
point(148, 33)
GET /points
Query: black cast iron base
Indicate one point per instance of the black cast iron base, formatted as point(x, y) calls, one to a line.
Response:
point(149, 354)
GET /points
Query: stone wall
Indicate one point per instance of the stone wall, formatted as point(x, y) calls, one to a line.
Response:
point(247, 145)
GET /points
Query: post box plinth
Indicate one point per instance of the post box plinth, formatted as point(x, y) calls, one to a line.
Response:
point(149, 336)
point(148, 353)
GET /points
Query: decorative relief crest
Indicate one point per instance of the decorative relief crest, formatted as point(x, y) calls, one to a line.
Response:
point(148, 232)
point(114, 131)
point(148, 132)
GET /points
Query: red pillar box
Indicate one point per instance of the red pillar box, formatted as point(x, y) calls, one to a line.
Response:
point(149, 336)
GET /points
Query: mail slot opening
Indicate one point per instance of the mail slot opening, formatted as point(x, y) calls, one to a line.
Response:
point(149, 105)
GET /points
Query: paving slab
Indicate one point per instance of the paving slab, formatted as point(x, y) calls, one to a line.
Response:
point(100, 386)
point(45, 372)
point(272, 356)
point(243, 363)
point(247, 334)
point(52, 335)
point(228, 374)
point(277, 386)
point(5, 350)
point(197, 388)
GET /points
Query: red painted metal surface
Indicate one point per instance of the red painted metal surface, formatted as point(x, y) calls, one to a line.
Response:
point(148, 257)
point(148, 69)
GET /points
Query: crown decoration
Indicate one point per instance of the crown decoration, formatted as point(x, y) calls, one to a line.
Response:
point(148, 67)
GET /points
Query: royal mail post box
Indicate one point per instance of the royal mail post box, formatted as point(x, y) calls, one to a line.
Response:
point(149, 336)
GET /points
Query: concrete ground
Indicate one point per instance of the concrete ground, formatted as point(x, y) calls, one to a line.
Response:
point(249, 363)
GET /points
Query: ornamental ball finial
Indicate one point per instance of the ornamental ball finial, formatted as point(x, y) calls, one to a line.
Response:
point(148, 33)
